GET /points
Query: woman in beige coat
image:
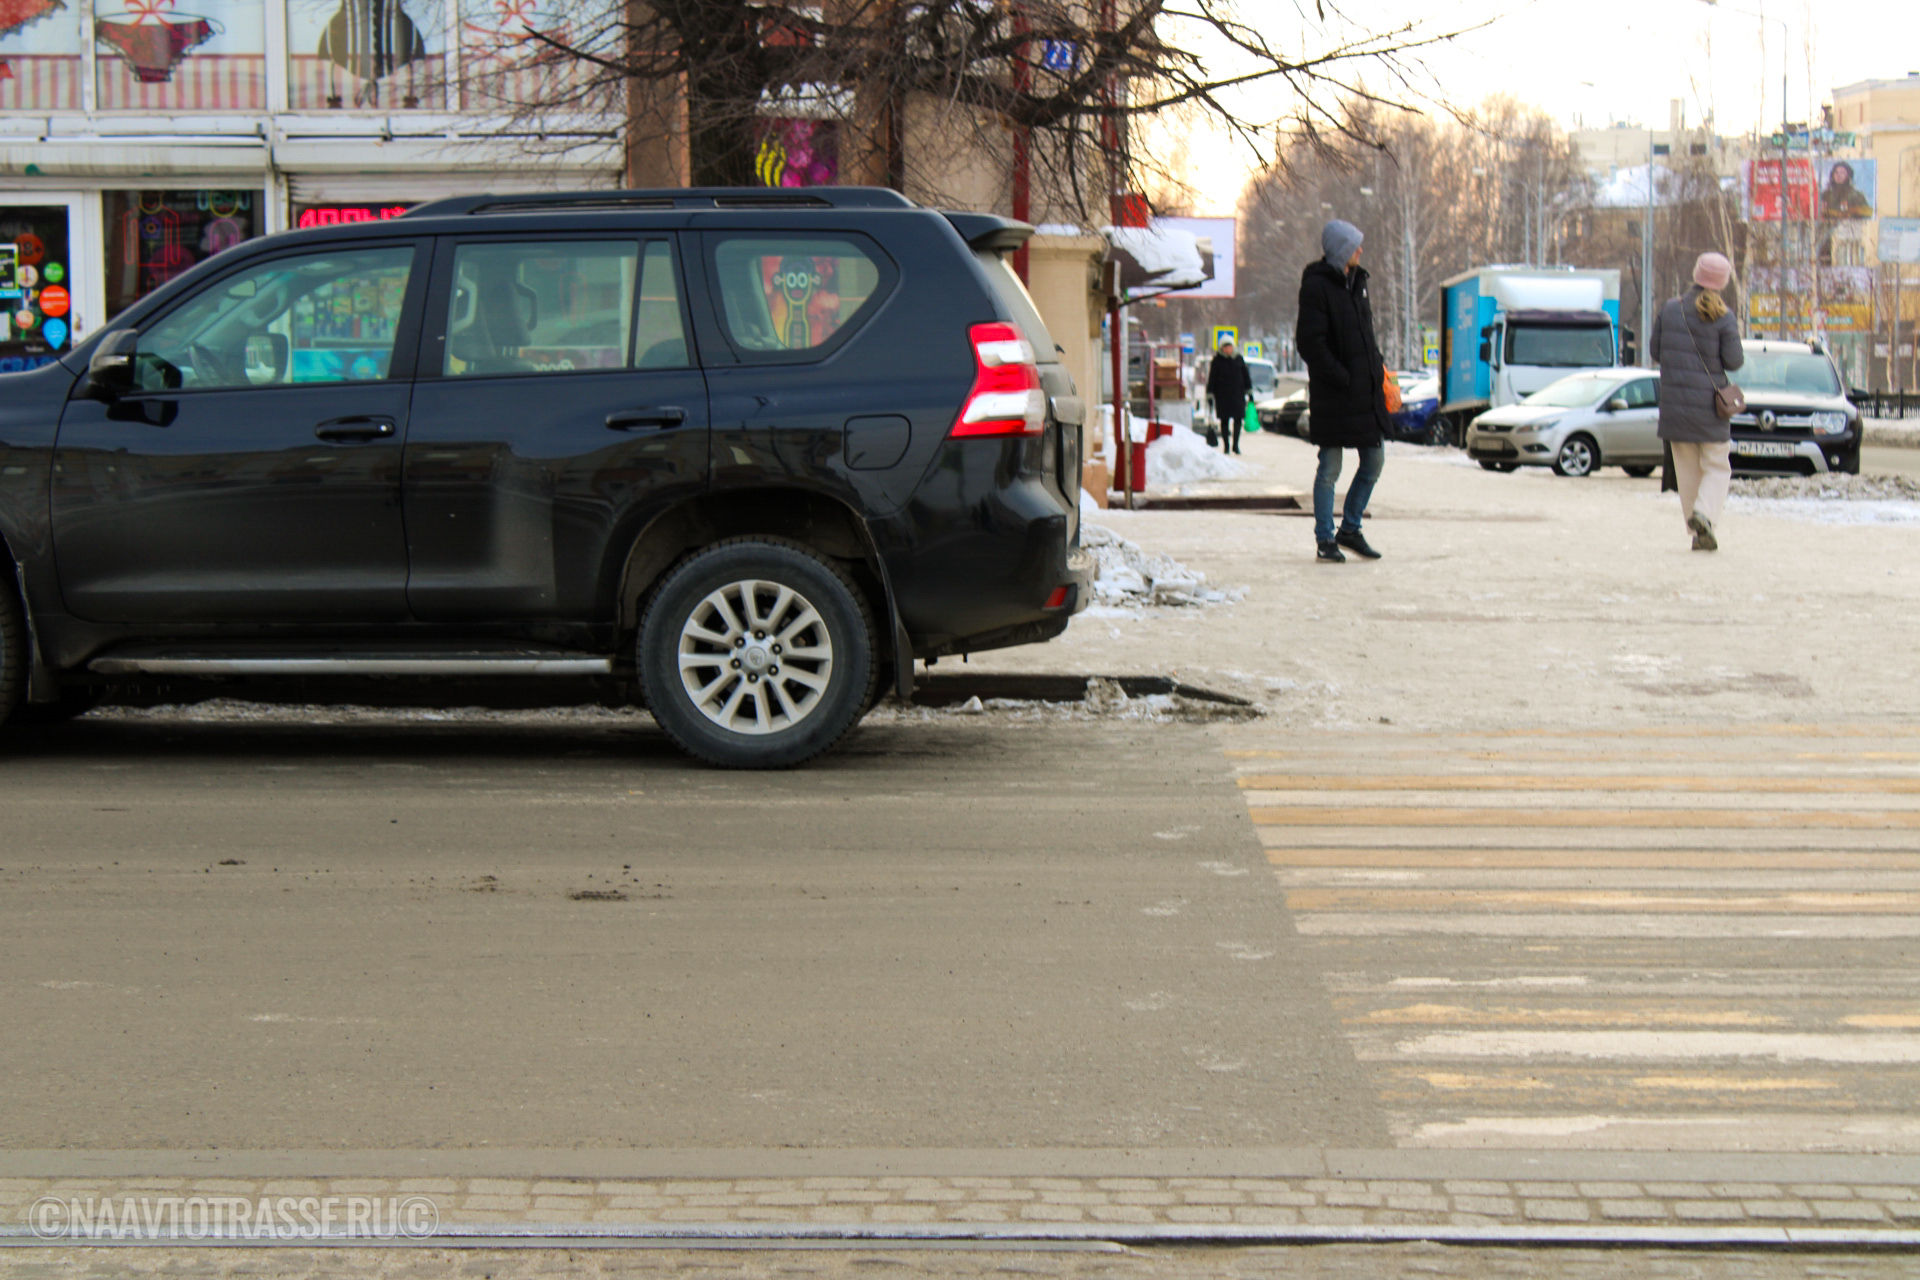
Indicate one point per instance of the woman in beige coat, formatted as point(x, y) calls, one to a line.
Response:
point(1696, 341)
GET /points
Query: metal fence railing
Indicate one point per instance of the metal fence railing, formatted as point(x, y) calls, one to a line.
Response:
point(1886, 404)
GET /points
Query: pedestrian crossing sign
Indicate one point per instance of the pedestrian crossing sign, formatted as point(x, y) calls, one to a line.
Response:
point(1224, 333)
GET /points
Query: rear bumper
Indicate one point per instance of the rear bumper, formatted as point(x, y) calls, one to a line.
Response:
point(985, 556)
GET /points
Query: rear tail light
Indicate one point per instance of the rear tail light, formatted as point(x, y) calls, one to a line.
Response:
point(1006, 399)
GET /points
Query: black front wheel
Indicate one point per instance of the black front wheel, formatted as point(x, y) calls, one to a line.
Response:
point(757, 653)
point(1638, 473)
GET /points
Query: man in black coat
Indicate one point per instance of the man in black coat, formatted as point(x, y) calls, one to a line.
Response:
point(1228, 385)
point(1345, 386)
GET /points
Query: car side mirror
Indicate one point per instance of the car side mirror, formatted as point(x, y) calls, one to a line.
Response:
point(1486, 351)
point(110, 371)
point(1617, 405)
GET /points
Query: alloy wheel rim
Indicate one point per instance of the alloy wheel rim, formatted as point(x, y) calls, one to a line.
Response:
point(755, 657)
point(1576, 457)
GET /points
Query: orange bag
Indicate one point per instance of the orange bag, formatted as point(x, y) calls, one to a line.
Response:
point(1390, 388)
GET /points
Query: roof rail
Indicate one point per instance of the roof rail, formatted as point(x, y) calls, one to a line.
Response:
point(667, 198)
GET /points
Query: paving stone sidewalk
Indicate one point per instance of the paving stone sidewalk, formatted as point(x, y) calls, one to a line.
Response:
point(477, 1201)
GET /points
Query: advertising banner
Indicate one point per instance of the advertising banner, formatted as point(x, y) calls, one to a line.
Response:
point(1900, 239)
point(1848, 189)
point(1761, 181)
point(1844, 303)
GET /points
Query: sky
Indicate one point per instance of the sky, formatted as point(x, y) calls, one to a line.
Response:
point(1600, 61)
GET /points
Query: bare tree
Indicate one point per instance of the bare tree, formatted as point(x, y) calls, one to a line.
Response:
point(1046, 88)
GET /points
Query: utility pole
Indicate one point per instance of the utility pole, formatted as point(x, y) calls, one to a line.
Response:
point(1646, 261)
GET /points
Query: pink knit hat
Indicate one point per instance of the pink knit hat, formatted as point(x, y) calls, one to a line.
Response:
point(1712, 271)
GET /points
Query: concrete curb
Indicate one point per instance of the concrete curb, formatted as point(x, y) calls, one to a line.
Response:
point(1511, 1164)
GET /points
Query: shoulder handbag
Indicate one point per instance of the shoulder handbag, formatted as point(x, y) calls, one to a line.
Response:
point(1727, 400)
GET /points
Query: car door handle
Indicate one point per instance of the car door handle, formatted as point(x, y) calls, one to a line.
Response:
point(362, 427)
point(629, 419)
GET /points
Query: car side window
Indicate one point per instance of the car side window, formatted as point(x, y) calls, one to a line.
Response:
point(560, 306)
point(316, 318)
point(782, 296)
point(1642, 393)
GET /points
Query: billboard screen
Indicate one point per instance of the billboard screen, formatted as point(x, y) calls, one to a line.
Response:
point(1844, 304)
point(1848, 188)
point(1833, 190)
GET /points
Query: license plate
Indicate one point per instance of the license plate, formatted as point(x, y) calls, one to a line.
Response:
point(1762, 449)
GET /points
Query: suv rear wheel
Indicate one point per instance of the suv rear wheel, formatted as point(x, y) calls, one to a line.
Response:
point(756, 653)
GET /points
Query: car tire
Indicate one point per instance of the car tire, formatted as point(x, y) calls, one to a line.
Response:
point(767, 600)
point(1639, 473)
point(1579, 455)
point(1850, 462)
point(14, 650)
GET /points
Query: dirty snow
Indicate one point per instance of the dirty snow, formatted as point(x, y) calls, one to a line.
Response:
point(1183, 458)
point(1830, 499)
point(1127, 577)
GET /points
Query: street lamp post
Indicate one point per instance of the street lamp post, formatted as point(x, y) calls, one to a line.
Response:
point(1780, 288)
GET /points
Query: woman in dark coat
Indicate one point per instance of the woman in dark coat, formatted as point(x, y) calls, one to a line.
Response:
point(1696, 341)
point(1229, 384)
point(1345, 393)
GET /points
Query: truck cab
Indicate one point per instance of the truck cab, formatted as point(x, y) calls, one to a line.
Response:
point(1507, 332)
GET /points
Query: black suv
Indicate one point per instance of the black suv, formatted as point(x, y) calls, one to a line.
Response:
point(1798, 420)
point(749, 452)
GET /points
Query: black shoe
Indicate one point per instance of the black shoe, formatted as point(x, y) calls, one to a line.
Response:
point(1330, 554)
point(1356, 542)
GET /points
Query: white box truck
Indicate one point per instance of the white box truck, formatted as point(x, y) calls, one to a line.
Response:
point(1506, 332)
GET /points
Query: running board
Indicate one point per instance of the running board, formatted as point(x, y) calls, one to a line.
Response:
point(554, 662)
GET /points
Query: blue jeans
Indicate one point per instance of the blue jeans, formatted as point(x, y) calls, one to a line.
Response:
point(1371, 460)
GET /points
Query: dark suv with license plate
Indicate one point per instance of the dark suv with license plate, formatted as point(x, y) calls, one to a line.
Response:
point(1798, 420)
point(746, 453)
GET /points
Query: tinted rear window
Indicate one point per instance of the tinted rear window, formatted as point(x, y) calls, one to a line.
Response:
point(1019, 304)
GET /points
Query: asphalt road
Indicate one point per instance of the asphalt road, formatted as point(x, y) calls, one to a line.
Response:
point(950, 935)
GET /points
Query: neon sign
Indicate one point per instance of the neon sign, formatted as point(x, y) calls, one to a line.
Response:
point(334, 215)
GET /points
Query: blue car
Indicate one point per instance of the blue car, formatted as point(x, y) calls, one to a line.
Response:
point(1419, 411)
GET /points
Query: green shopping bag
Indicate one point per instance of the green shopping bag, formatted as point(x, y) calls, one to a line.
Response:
point(1253, 419)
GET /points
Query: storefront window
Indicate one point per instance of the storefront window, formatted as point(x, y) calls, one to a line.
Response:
point(36, 283)
point(153, 236)
point(39, 55)
point(366, 55)
point(503, 62)
point(209, 55)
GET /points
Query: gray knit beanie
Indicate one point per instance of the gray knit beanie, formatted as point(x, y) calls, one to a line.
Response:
point(1338, 240)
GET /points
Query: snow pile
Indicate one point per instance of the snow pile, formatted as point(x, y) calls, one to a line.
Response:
point(1832, 487)
point(1184, 458)
point(1831, 499)
point(1126, 575)
point(1899, 433)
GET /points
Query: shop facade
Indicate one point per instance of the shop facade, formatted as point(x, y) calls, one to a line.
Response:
point(138, 139)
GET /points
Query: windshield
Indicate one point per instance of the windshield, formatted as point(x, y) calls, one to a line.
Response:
point(1799, 372)
point(1425, 389)
point(1556, 346)
point(1572, 393)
